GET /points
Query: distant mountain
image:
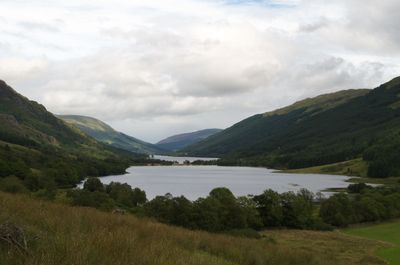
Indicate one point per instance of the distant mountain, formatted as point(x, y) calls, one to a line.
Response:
point(104, 133)
point(316, 131)
point(177, 142)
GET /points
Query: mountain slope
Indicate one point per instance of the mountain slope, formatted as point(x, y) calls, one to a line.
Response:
point(104, 133)
point(35, 145)
point(27, 122)
point(326, 129)
point(177, 142)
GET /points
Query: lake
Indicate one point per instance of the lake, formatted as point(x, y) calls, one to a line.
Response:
point(197, 181)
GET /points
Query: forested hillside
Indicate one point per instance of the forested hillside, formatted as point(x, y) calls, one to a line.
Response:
point(326, 129)
point(39, 152)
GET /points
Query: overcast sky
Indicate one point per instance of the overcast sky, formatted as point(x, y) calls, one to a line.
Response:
point(159, 67)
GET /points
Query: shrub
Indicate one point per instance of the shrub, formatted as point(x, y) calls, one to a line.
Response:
point(12, 184)
point(93, 184)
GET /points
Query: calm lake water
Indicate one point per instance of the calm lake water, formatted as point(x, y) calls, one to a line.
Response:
point(197, 181)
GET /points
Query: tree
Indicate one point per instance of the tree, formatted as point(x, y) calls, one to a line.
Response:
point(183, 212)
point(207, 214)
point(269, 205)
point(249, 209)
point(96, 199)
point(138, 197)
point(230, 213)
point(161, 208)
point(121, 193)
point(298, 209)
point(93, 184)
point(337, 210)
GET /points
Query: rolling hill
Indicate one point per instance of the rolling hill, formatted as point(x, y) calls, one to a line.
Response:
point(106, 134)
point(37, 147)
point(177, 142)
point(326, 129)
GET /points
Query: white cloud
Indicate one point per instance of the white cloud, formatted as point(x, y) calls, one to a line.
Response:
point(165, 66)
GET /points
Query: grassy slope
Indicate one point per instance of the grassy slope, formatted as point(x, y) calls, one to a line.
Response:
point(356, 167)
point(388, 232)
point(78, 236)
point(106, 134)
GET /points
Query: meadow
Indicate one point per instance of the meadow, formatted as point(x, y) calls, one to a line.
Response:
point(60, 234)
point(386, 232)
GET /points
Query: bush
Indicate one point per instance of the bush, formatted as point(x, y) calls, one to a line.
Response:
point(12, 184)
point(93, 184)
point(358, 187)
point(99, 200)
point(372, 204)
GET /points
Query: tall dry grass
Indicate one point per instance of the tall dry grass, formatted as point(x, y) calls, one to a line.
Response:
point(81, 236)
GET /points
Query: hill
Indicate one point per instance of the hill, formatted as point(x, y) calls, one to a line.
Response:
point(63, 235)
point(106, 134)
point(40, 149)
point(327, 129)
point(177, 142)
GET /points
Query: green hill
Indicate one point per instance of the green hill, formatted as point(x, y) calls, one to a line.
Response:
point(40, 149)
point(104, 133)
point(323, 130)
point(177, 142)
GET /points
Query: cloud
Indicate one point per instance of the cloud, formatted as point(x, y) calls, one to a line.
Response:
point(38, 26)
point(171, 66)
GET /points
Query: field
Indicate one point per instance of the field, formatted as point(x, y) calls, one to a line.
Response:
point(387, 232)
point(356, 167)
point(59, 234)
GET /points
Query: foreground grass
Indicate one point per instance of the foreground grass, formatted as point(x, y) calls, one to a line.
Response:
point(67, 235)
point(64, 235)
point(388, 232)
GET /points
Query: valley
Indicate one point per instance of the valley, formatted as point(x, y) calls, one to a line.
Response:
point(199, 132)
point(43, 158)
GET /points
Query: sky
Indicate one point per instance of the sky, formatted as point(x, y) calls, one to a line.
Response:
point(155, 68)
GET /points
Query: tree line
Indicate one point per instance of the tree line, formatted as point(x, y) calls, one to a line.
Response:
point(222, 211)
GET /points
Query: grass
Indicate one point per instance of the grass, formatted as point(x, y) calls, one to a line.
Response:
point(330, 247)
point(65, 235)
point(387, 232)
point(356, 167)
